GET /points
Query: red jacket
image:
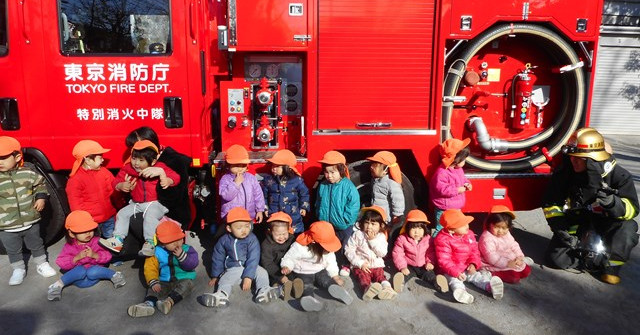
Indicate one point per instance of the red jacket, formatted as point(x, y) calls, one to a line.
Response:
point(145, 189)
point(91, 191)
point(407, 252)
point(455, 253)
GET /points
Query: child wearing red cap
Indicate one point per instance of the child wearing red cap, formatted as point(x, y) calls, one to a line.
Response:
point(449, 184)
point(312, 258)
point(90, 188)
point(23, 195)
point(338, 201)
point(169, 273)
point(235, 261)
point(366, 249)
point(459, 258)
point(140, 178)
point(284, 190)
point(501, 254)
point(82, 257)
point(414, 254)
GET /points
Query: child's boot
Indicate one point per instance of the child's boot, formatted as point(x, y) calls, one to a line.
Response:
point(371, 292)
point(441, 284)
point(298, 288)
point(311, 304)
point(142, 309)
point(118, 279)
point(496, 287)
point(340, 293)
point(287, 289)
point(398, 282)
point(165, 305)
point(462, 296)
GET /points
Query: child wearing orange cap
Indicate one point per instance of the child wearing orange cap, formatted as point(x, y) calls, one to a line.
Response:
point(169, 273)
point(21, 186)
point(501, 254)
point(140, 177)
point(312, 258)
point(459, 258)
point(90, 188)
point(338, 201)
point(449, 184)
point(82, 257)
point(414, 254)
point(235, 261)
point(284, 190)
point(366, 249)
point(387, 185)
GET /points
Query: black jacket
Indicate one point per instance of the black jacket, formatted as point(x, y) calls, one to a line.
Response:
point(176, 198)
point(272, 254)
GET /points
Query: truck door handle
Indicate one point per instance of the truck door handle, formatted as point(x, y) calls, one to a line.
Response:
point(373, 125)
point(25, 25)
point(173, 112)
point(192, 25)
point(9, 117)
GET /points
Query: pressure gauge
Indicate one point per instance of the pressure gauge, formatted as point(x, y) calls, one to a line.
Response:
point(255, 70)
point(272, 70)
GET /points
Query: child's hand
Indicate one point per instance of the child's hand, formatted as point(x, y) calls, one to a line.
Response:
point(285, 270)
point(176, 252)
point(429, 266)
point(462, 276)
point(239, 178)
point(153, 171)
point(365, 267)
point(128, 184)
point(39, 205)
point(468, 186)
point(395, 220)
point(246, 284)
point(471, 269)
point(303, 212)
point(213, 282)
point(91, 254)
point(512, 264)
point(519, 261)
point(338, 280)
point(156, 287)
point(370, 235)
point(461, 189)
point(405, 271)
point(259, 217)
point(165, 182)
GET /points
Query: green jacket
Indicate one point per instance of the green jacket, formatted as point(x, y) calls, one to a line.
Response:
point(19, 190)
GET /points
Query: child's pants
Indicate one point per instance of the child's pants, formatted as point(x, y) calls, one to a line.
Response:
point(86, 277)
point(176, 290)
point(480, 279)
point(376, 275)
point(343, 236)
point(437, 213)
point(512, 276)
point(107, 227)
point(13, 245)
point(233, 276)
point(427, 275)
point(152, 213)
point(320, 279)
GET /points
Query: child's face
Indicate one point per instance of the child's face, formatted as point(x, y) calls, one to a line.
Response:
point(173, 246)
point(377, 170)
point(237, 168)
point(371, 227)
point(276, 170)
point(499, 228)
point(459, 165)
point(83, 237)
point(461, 230)
point(93, 164)
point(9, 162)
point(332, 174)
point(140, 163)
point(280, 234)
point(239, 229)
point(416, 233)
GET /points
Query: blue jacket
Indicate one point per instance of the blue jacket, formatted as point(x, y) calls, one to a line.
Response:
point(289, 196)
point(338, 203)
point(230, 252)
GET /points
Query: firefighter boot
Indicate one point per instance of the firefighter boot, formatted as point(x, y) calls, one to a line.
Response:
point(611, 275)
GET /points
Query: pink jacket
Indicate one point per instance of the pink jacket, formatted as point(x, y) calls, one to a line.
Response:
point(359, 250)
point(443, 188)
point(455, 253)
point(407, 252)
point(70, 250)
point(498, 251)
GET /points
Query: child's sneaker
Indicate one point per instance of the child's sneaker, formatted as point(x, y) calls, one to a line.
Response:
point(148, 249)
point(340, 293)
point(164, 305)
point(140, 310)
point(345, 271)
point(387, 293)
point(267, 295)
point(298, 288)
point(398, 282)
point(462, 296)
point(311, 304)
point(496, 287)
point(441, 284)
point(373, 291)
point(529, 261)
point(112, 243)
point(17, 277)
point(54, 292)
point(217, 299)
point(46, 270)
point(118, 280)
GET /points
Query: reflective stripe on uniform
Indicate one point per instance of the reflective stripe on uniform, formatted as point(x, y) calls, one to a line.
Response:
point(616, 263)
point(573, 230)
point(630, 211)
point(552, 211)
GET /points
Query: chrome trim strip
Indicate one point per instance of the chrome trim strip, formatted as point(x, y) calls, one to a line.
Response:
point(374, 132)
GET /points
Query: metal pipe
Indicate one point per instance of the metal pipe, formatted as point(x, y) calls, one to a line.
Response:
point(486, 142)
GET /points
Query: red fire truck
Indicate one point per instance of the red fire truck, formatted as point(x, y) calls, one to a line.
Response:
point(307, 75)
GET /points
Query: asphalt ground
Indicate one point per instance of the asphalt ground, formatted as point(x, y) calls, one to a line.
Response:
point(549, 301)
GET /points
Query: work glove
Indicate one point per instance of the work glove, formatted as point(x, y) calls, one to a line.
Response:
point(604, 199)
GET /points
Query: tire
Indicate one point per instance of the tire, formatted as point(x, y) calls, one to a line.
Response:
point(360, 175)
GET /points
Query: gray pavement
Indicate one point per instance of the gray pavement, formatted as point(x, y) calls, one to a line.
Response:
point(548, 302)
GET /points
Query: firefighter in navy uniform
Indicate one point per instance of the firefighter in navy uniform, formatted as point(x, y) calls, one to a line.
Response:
point(590, 206)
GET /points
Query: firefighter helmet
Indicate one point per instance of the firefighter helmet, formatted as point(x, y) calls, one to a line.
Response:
point(587, 142)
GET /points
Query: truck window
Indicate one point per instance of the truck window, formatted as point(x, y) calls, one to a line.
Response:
point(3, 27)
point(114, 27)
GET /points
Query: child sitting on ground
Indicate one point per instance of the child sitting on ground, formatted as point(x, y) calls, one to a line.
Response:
point(90, 188)
point(169, 273)
point(82, 257)
point(459, 258)
point(140, 178)
point(235, 261)
point(414, 254)
point(501, 254)
point(276, 244)
point(386, 184)
point(19, 224)
point(312, 259)
point(366, 249)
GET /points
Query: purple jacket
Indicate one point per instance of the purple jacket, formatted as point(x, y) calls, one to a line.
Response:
point(443, 188)
point(70, 250)
point(247, 195)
